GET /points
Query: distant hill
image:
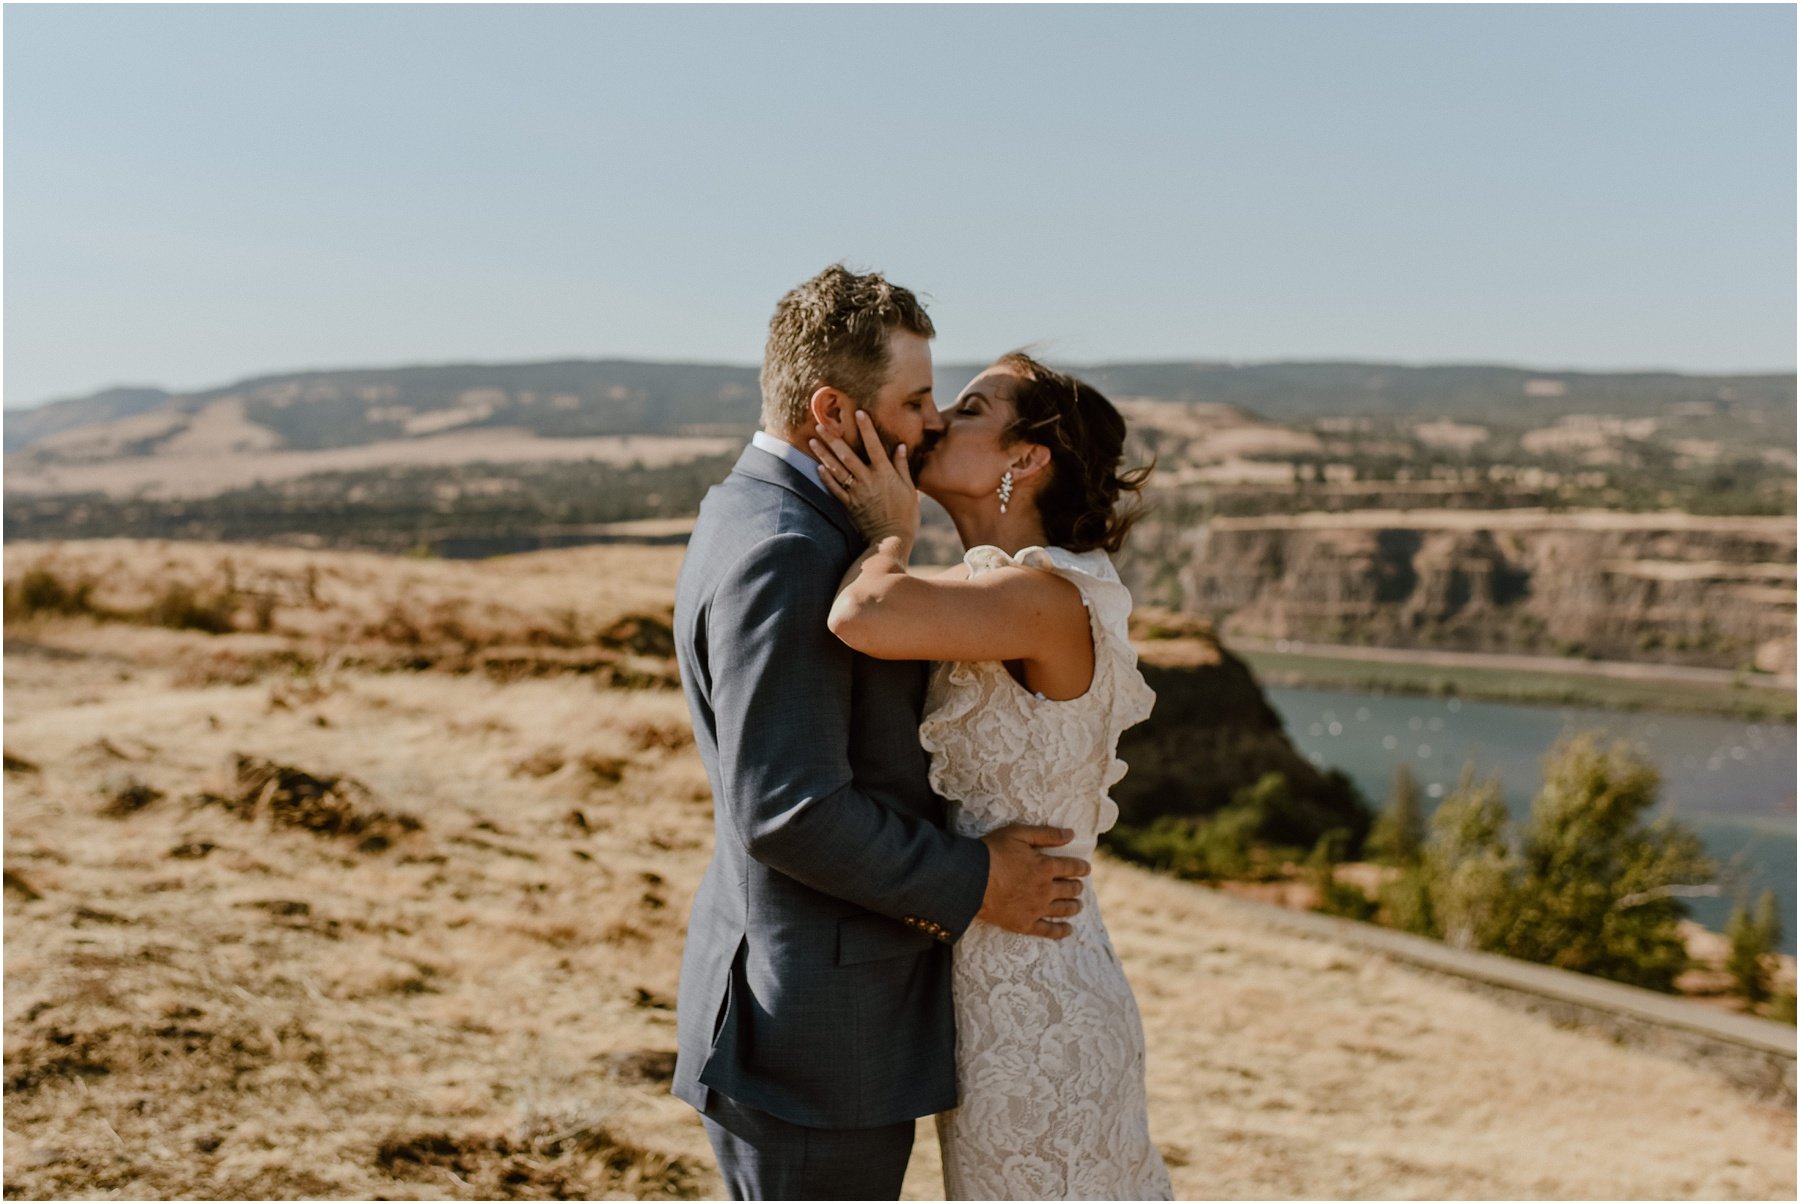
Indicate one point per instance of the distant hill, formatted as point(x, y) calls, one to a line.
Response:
point(25, 427)
point(584, 398)
point(1297, 391)
point(329, 409)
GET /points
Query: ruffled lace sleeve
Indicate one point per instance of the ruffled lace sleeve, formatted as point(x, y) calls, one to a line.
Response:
point(1118, 688)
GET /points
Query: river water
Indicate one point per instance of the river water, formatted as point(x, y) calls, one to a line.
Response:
point(1732, 781)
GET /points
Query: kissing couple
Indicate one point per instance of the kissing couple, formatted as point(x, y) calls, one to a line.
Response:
point(908, 775)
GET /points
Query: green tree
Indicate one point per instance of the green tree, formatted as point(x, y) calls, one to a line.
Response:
point(1233, 842)
point(1335, 898)
point(1399, 832)
point(1753, 940)
point(1220, 846)
point(1469, 865)
point(1406, 903)
point(1598, 888)
point(1768, 918)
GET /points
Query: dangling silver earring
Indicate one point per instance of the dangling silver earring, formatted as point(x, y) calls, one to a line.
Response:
point(1005, 490)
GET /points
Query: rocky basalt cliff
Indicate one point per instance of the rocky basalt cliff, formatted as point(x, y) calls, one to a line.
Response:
point(1670, 588)
point(1212, 733)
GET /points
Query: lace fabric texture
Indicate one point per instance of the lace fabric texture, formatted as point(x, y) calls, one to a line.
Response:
point(1050, 1047)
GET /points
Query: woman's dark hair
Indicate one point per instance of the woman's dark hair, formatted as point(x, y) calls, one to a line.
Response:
point(1085, 434)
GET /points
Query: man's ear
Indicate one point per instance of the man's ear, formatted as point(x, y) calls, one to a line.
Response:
point(834, 414)
point(1032, 459)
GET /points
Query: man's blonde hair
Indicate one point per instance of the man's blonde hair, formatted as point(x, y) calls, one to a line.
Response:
point(833, 330)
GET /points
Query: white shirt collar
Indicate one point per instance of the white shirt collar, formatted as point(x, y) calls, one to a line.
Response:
point(808, 466)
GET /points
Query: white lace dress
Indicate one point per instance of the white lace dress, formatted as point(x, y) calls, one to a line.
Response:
point(1049, 1045)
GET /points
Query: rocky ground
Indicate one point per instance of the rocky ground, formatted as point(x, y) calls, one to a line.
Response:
point(379, 892)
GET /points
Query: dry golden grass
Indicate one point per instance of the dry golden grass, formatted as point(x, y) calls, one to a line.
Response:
point(219, 987)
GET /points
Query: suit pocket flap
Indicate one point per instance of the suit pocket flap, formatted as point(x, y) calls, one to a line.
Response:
point(872, 937)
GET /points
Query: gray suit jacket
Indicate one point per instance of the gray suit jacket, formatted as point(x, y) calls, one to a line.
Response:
point(815, 985)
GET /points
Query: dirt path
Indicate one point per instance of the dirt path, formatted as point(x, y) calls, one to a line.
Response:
point(1621, 670)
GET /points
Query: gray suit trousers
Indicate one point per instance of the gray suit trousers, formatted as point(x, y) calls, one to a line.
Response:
point(766, 1158)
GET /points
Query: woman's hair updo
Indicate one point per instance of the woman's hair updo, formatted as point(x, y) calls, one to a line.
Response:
point(1085, 434)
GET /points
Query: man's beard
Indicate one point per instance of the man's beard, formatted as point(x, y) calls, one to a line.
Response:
point(916, 454)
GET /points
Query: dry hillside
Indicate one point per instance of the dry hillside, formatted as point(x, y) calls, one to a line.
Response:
point(375, 889)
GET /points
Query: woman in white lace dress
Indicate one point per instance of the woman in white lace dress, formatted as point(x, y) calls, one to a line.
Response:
point(1035, 681)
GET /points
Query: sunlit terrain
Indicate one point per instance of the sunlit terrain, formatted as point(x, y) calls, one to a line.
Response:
point(376, 889)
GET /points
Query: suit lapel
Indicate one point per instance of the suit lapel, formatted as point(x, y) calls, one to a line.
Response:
point(759, 465)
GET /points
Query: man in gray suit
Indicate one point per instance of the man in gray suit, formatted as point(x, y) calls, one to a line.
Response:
point(814, 1016)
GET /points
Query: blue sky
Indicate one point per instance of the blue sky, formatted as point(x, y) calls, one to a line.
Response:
point(199, 193)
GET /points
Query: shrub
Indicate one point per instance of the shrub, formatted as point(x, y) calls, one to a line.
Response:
point(130, 797)
point(1336, 898)
point(1399, 832)
point(40, 591)
point(1469, 865)
point(1228, 844)
point(1203, 849)
point(1597, 888)
point(1406, 903)
point(181, 607)
point(1753, 940)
